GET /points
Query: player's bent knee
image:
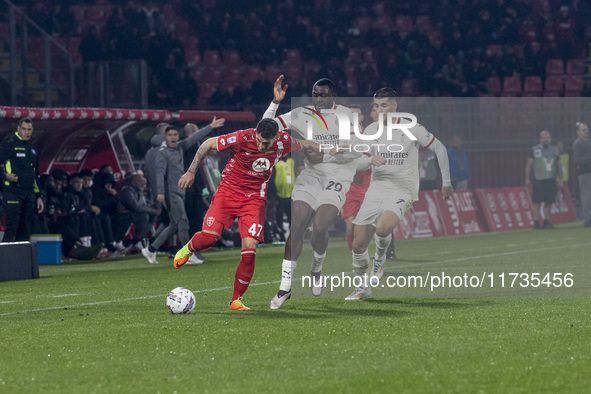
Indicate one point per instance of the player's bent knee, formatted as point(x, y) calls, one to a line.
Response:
point(203, 240)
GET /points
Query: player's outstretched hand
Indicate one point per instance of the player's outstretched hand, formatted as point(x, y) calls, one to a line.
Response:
point(186, 180)
point(278, 90)
point(215, 123)
point(447, 191)
point(378, 160)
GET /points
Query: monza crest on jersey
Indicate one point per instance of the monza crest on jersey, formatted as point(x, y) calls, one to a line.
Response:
point(261, 165)
point(210, 221)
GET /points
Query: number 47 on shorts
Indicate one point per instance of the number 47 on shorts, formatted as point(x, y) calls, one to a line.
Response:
point(253, 230)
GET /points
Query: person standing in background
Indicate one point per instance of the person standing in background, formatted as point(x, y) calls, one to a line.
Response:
point(582, 159)
point(545, 160)
point(459, 166)
point(20, 160)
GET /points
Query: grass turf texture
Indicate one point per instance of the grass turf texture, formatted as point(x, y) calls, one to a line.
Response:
point(104, 327)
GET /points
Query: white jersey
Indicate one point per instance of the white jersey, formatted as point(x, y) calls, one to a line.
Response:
point(325, 132)
point(401, 169)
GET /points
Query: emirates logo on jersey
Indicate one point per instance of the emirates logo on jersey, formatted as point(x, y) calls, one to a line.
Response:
point(261, 165)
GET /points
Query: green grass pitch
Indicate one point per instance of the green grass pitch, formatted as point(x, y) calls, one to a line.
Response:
point(103, 327)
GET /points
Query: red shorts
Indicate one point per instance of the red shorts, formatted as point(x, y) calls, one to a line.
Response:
point(353, 200)
point(226, 207)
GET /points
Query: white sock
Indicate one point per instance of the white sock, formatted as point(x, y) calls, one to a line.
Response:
point(382, 244)
point(317, 262)
point(287, 268)
point(360, 263)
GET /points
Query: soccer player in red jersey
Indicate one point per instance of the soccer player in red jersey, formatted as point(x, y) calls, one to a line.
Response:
point(241, 194)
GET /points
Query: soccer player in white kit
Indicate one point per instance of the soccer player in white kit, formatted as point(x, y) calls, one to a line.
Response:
point(393, 188)
point(320, 189)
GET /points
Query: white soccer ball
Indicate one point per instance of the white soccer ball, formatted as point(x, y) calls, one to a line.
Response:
point(180, 301)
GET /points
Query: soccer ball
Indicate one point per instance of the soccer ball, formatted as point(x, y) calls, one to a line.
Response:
point(180, 300)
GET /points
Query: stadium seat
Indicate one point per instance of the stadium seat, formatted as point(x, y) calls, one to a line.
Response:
point(212, 74)
point(551, 94)
point(352, 89)
point(231, 57)
point(574, 83)
point(193, 57)
point(354, 55)
point(404, 23)
point(251, 74)
point(492, 50)
point(425, 21)
point(409, 88)
point(292, 56)
point(494, 85)
point(211, 58)
point(272, 72)
point(531, 94)
point(232, 75)
point(533, 84)
point(572, 93)
point(553, 84)
point(384, 23)
point(575, 67)
point(554, 67)
point(364, 23)
point(293, 72)
point(512, 85)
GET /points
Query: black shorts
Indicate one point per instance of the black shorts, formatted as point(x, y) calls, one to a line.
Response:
point(544, 191)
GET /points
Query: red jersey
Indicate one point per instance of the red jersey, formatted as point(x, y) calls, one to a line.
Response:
point(249, 170)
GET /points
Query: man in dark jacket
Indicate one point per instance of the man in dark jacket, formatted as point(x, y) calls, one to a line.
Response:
point(20, 159)
point(142, 214)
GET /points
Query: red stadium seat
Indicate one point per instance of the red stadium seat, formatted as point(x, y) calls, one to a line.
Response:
point(211, 58)
point(409, 88)
point(232, 75)
point(292, 56)
point(364, 23)
point(212, 74)
point(293, 72)
point(384, 23)
point(575, 67)
point(354, 55)
point(533, 84)
point(425, 21)
point(553, 84)
point(512, 85)
point(551, 94)
point(492, 50)
point(572, 93)
point(531, 94)
point(251, 74)
point(352, 89)
point(404, 23)
point(554, 67)
point(231, 57)
point(272, 72)
point(574, 83)
point(494, 85)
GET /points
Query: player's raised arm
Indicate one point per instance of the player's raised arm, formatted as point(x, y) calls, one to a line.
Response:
point(189, 177)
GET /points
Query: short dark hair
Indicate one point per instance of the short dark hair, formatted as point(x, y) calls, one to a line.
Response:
point(355, 105)
point(86, 172)
point(267, 128)
point(168, 128)
point(25, 120)
point(326, 82)
point(385, 92)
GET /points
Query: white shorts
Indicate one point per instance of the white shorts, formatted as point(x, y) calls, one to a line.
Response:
point(379, 200)
point(316, 191)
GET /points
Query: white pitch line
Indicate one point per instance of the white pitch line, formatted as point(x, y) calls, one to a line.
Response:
point(65, 295)
point(277, 281)
point(5, 302)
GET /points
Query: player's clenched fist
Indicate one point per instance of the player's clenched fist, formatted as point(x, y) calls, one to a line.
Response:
point(186, 180)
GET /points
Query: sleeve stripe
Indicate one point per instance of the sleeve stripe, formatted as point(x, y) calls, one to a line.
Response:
point(429, 144)
point(282, 122)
